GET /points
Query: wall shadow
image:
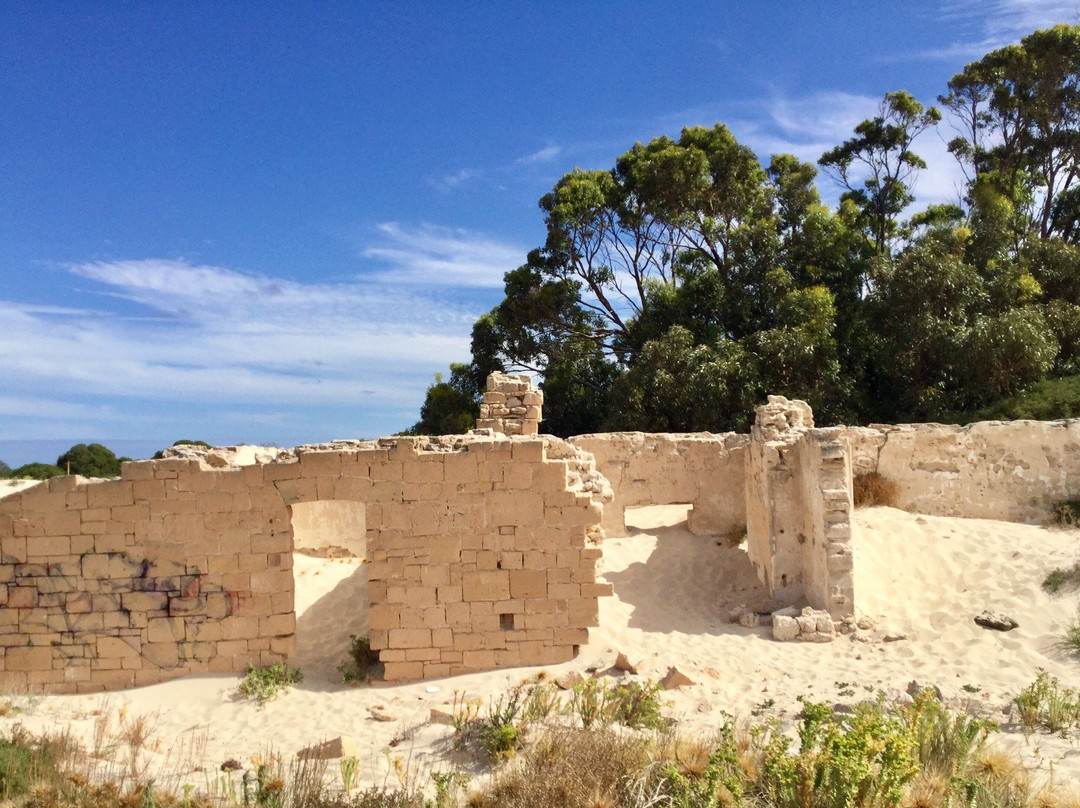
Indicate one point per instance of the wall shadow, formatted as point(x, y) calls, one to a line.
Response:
point(688, 583)
point(323, 629)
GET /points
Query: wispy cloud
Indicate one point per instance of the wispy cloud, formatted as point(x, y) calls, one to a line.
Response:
point(495, 174)
point(442, 256)
point(544, 155)
point(995, 23)
point(449, 182)
point(808, 126)
point(215, 337)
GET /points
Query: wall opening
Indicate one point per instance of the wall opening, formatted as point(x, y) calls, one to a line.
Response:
point(651, 517)
point(330, 572)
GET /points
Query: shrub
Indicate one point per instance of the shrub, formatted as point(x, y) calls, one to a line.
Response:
point(36, 471)
point(1067, 514)
point(1046, 704)
point(862, 759)
point(870, 489)
point(264, 684)
point(89, 460)
point(362, 664)
point(5, 469)
point(571, 768)
point(1062, 578)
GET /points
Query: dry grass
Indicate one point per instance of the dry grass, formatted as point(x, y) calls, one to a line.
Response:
point(573, 768)
point(871, 489)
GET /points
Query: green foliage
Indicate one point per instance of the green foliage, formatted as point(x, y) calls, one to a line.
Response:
point(1067, 514)
point(677, 288)
point(36, 471)
point(1067, 578)
point(632, 704)
point(5, 469)
point(90, 460)
point(863, 759)
point(264, 684)
point(878, 167)
point(1046, 704)
point(362, 663)
point(24, 761)
point(450, 408)
point(1047, 400)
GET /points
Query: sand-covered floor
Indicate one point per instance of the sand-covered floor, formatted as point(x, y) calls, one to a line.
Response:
point(921, 579)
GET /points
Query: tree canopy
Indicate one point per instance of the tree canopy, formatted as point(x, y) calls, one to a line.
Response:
point(89, 460)
point(677, 288)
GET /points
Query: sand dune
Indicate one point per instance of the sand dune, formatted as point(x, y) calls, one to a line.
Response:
point(921, 579)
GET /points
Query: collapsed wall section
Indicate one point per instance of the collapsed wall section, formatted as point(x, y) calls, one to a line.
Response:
point(704, 470)
point(1010, 470)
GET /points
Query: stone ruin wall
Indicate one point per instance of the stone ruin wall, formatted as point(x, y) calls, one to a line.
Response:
point(702, 469)
point(481, 555)
point(1016, 471)
point(798, 508)
point(511, 405)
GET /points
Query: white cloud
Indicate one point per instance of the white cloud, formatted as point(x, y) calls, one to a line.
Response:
point(996, 23)
point(442, 256)
point(221, 339)
point(808, 126)
point(544, 155)
point(448, 182)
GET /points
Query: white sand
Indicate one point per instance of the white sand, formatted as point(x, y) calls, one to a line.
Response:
point(922, 577)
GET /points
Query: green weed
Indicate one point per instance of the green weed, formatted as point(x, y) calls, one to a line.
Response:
point(265, 684)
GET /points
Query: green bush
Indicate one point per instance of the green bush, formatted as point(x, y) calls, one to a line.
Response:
point(362, 664)
point(5, 469)
point(90, 460)
point(264, 684)
point(1066, 578)
point(1047, 400)
point(36, 471)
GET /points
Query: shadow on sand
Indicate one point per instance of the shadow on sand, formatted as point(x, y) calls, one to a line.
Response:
point(322, 631)
point(687, 584)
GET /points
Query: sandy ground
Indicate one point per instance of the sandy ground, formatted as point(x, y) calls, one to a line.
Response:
point(921, 579)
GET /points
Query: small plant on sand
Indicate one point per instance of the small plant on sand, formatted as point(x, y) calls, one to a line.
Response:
point(1062, 578)
point(1067, 514)
point(1047, 705)
point(870, 489)
point(264, 684)
point(635, 705)
point(362, 664)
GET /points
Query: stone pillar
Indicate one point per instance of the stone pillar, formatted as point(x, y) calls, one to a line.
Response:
point(511, 406)
point(774, 517)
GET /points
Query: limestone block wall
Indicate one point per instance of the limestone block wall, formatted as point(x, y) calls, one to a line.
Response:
point(702, 469)
point(798, 506)
point(482, 551)
point(826, 537)
point(482, 555)
point(1010, 470)
point(511, 405)
point(774, 496)
point(174, 568)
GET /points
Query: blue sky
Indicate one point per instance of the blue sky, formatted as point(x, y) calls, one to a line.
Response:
point(274, 222)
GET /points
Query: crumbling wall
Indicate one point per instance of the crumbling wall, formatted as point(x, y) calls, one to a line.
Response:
point(1010, 470)
point(511, 405)
point(481, 554)
point(704, 470)
point(798, 504)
